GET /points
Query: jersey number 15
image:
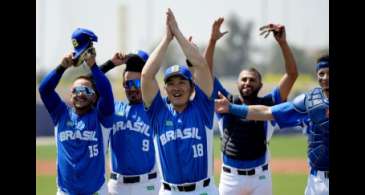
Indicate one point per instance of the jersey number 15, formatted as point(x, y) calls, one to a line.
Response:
point(93, 150)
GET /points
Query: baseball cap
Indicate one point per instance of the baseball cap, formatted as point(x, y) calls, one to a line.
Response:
point(177, 70)
point(135, 62)
point(322, 64)
point(81, 40)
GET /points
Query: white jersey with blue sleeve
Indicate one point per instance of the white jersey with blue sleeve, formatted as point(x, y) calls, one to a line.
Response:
point(184, 141)
point(131, 140)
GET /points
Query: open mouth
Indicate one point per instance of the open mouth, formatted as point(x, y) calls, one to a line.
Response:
point(177, 94)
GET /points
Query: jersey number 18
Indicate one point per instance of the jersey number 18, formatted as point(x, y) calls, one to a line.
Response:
point(198, 150)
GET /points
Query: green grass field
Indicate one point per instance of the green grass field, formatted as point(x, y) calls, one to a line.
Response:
point(280, 147)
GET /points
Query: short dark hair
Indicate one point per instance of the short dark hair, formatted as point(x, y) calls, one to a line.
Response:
point(251, 69)
point(323, 58)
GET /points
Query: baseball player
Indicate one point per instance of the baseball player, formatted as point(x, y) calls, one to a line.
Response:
point(310, 109)
point(244, 142)
point(81, 130)
point(182, 124)
point(133, 167)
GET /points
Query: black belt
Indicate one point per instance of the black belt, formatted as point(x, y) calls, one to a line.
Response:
point(187, 187)
point(245, 172)
point(326, 173)
point(132, 179)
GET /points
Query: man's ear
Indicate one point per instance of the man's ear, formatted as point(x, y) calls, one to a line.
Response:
point(260, 86)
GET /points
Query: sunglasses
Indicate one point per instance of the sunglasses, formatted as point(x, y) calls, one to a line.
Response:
point(132, 83)
point(84, 90)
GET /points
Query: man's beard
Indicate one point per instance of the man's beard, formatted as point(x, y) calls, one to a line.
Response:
point(251, 96)
point(134, 98)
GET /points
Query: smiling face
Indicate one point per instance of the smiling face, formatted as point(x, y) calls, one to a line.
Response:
point(178, 91)
point(323, 77)
point(249, 84)
point(81, 99)
point(132, 87)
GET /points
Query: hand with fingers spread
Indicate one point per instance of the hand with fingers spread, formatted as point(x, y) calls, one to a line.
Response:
point(277, 29)
point(67, 61)
point(221, 104)
point(216, 34)
point(119, 58)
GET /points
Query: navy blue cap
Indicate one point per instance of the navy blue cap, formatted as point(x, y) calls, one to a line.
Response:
point(322, 64)
point(81, 40)
point(178, 70)
point(135, 62)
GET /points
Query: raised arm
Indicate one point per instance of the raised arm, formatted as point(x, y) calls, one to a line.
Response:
point(291, 73)
point(49, 83)
point(202, 76)
point(214, 37)
point(148, 78)
point(105, 103)
point(118, 59)
point(253, 112)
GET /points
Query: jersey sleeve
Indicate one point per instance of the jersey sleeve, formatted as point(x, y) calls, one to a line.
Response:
point(156, 106)
point(274, 96)
point(105, 103)
point(205, 105)
point(219, 87)
point(290, 114)
point(51, 100)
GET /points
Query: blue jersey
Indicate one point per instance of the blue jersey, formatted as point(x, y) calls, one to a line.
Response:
point(240, 134)
point(184, 141)
point(81, 139)
point(131, 140)
point(312, 110)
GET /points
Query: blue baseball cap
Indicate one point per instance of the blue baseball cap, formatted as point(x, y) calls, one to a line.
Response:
point(135, 62)
point(81, 40)
point(178, 70)
point(322, 64)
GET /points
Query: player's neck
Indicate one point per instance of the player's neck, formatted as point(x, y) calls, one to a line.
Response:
point(82, 111)
point(247, 100)
point(326, 94)
point(180, 108)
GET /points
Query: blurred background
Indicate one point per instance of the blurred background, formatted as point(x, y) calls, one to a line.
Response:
point(130, 25)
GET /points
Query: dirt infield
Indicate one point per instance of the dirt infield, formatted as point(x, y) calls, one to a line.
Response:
point(296, 166)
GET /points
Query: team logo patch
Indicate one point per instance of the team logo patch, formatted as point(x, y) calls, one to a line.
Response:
point(69, 123)
point(175, 68)
point(169, 123)
point(74, 43)
point(262, 177)
point(150, 188)
point(204, 193)
point(80, 125)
